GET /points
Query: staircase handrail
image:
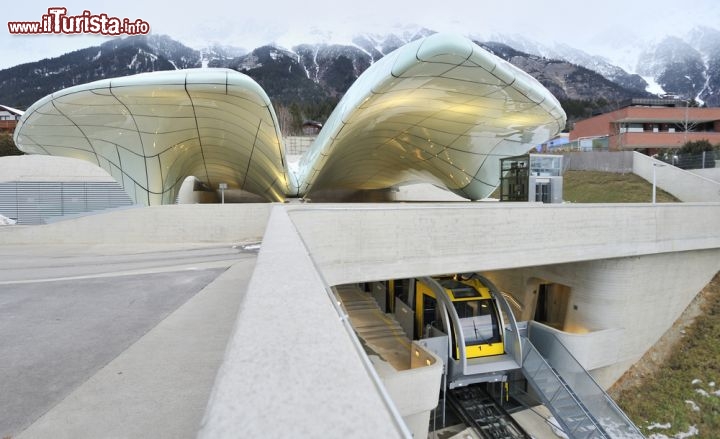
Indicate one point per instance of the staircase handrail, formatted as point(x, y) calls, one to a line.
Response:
point(536, 333)
point(529, 349)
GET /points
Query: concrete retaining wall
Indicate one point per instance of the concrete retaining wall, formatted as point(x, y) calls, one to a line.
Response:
point(684, 185)
point(601, 324)
point(604, 161)
point(414, 391)
point(200, 223)
point(692, 185)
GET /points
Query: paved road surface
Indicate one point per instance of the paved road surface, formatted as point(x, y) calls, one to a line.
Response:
point(106, 339)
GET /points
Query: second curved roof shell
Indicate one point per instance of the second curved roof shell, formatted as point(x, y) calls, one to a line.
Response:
point(439, 110)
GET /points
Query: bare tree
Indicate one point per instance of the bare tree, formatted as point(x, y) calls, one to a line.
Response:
point(285, 120)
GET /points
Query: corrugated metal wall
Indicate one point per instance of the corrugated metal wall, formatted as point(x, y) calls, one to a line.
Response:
point(36, 202)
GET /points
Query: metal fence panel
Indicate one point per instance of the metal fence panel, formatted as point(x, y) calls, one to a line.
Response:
point(31, 202)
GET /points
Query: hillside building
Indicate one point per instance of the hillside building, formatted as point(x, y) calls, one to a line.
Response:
point(649, 125)
point(9, 118)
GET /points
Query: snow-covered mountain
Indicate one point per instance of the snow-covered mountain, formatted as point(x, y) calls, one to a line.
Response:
point(707, 42)
point(676, 66)
point(688, 67)
point(218, 54)
point(562, 51)
point(377, 45)
point(319, 73)
point(22, 85)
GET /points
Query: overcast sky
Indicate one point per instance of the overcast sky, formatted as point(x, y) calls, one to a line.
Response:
point(599, 27)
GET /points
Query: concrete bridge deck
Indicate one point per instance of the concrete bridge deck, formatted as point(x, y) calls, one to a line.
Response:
point(292, 359)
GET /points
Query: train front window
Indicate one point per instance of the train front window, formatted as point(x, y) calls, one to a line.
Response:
point(479, 321)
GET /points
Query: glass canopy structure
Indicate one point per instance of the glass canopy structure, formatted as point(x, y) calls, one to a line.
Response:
point(151, 131)
point(439, 110)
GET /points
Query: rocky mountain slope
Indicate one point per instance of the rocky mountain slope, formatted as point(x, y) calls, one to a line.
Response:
point(22, 85)
point(565, 80)
point(676, 66)
point(688, 67)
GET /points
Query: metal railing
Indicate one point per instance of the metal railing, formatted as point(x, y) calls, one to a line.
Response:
point(701, 160)
point(569, 411)
point(297, 145)
point(592, 143)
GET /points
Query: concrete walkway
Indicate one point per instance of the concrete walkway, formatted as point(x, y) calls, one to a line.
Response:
point(126, 353)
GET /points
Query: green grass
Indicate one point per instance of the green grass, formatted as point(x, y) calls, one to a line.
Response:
point(607, 187)
point(661, 396)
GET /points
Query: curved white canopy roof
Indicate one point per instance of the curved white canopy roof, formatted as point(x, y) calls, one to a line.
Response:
point(152, 130)
point(439, 110)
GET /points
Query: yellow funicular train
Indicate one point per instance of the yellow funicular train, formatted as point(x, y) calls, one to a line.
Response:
point(477, 315)
point(463, 319)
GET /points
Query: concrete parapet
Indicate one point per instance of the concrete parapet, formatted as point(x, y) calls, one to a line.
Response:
point(684, 185)
point(414, 391)
point(358, 243)
point(292, 367)
point(711, 173)
point(592, 349)
point(49, 168)
point(200, 223)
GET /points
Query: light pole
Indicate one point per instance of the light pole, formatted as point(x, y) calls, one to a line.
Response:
point(222, 187)
point(655, 166)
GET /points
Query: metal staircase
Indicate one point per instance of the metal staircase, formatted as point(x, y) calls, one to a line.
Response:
point(579, 404)
point(558, 397)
